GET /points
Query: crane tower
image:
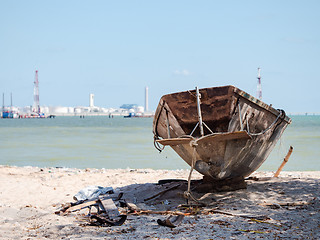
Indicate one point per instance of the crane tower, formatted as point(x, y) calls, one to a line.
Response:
point(36, 104)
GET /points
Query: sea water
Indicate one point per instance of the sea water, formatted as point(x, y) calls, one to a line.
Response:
point(103, 142)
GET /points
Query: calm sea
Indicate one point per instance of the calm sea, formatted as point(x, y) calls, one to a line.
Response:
point(102, 142)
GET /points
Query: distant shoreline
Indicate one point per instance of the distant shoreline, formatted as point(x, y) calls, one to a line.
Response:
point(303, 114)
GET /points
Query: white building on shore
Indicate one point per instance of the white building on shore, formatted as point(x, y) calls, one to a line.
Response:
point(91, 110)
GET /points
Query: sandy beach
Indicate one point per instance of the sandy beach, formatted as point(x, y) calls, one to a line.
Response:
point(286, 207)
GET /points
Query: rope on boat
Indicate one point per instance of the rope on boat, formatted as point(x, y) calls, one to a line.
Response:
point(156, 144)
point(155, 132)
point(188, 195)
point(193, 143)
point(282, 113)
point(200, 123)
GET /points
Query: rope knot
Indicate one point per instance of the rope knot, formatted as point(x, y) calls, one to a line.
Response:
point(193, 143)
point(187, 194)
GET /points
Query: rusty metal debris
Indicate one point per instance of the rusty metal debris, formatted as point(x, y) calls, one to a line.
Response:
point(107, 211)
point(105, 222)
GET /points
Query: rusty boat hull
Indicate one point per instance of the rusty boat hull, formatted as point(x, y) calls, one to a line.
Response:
point(239, 131)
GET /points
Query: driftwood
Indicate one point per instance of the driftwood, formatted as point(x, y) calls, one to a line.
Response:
point(162, 192)
point(260, 217)
point(285, 160)
point(286, 204)
point(160, 212)
point(81, 206)
point(204, 211)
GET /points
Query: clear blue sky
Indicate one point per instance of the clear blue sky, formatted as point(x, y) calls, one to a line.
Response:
point(115, 48)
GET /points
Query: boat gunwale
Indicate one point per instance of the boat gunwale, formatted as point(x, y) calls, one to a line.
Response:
point(188, 138)
point(260, 104)
point(239, 93)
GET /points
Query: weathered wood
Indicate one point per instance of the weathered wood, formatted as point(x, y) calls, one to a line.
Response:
point(109, 207)
point(163, 191)
point(161, 212)
point(257, 217)
point(82, 205)
point(259, 103)
point(285, 160)
point(228, 153)
point(286, 204)
point(174, 141)
point(105, 202)
point(204, 211)
point(161, 120)
point(224, 136)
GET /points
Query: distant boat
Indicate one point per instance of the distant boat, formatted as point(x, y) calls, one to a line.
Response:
point(130, 115)
point(223, 132)
point(138, 115)
point(13, 114)
point(10, 114)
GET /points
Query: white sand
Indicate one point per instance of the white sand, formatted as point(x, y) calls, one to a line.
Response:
point(29, 196)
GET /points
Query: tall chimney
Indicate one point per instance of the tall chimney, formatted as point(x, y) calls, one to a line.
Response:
point(91, 100)
point(36, 104)
point(259, 89)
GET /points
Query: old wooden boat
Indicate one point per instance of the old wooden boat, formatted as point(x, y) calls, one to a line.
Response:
point(222, 132)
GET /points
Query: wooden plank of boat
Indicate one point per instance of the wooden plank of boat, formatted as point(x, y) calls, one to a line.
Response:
point(259, 103)
point(224, 136)
point(174, 141)
point(213, 137)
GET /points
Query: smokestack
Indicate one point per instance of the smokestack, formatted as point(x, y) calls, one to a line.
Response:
point(146, 100)
point(259, 89)
point(36, 103)
point(91, 100)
